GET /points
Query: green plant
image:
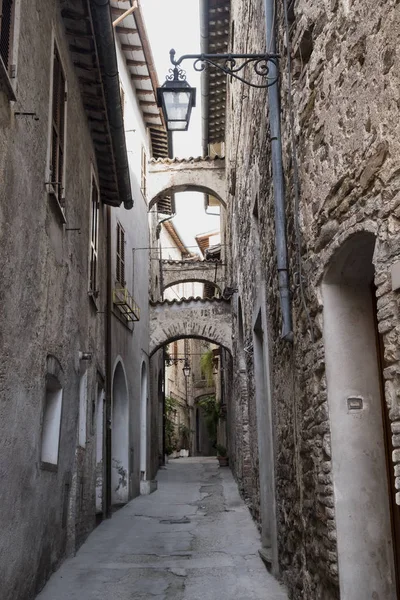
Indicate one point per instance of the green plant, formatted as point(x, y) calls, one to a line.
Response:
point(221, 450)
point(211, 411)
point(171, 441)
point(206, 365)
point(184, 433)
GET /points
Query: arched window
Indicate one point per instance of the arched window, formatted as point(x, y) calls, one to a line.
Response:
point(52, 414)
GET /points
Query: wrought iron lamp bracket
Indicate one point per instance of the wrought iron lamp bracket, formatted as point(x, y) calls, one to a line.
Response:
point(264, 65)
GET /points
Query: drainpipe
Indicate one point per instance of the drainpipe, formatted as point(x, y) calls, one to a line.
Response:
point(204, 75)
point(277, 178)
point(108, 360)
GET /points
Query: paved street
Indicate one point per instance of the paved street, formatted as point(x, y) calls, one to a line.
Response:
point(193, 539)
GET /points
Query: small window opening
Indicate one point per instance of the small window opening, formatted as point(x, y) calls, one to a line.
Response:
point(58, 129)
point(82, 409)
point(51, 421)
point(143, 185)
point(120, 273)
point(6, 31)
point(94, 239)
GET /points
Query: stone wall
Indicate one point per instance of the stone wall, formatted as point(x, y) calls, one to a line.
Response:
point(346, 129)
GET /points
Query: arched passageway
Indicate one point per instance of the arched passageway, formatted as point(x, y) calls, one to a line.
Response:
point(185, 279)
point(205, 319)
point(120, 438)
point(368, 542)
point(168, 177)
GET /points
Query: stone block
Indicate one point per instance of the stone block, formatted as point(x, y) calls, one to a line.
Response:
point(148, 487)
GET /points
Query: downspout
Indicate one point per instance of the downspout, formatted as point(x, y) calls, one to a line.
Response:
point(204, 75)
point(277, 177)
point(108, 358)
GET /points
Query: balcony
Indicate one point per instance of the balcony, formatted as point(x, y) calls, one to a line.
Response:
point(126, 305)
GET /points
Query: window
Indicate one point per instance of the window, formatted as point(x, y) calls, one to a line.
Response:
point(94, 239)
point(122, 94)
point(82, 409)
point(143, 185)
point(120, 276)
point(57, 129)
point(51, 421)
point(6, 27)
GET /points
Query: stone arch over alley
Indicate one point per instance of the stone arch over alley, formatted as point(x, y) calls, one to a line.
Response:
point(187, 271)
point(167, 176)
point(208, 319)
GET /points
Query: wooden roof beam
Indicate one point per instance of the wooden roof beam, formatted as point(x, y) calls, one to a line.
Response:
point(126, 30)
point(137, 77)
point(135, 63)
point(131, 48)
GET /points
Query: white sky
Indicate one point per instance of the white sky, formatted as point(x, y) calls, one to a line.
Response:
point(175, 24)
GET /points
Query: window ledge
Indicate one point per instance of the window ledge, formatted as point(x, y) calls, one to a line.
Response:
point(56, 203)
point(45, 466)
point(5, 82)
point(94, 298)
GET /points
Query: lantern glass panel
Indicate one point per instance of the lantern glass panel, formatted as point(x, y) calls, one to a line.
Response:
point(177, 104)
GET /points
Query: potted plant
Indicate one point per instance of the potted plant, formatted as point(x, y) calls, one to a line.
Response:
point(222, 457)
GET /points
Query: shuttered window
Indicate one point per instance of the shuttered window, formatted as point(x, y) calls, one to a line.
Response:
point(6, 20)
point(94, 239)
point(122, 93)
point(120, 255)
point(144, 172)
point(57, 128)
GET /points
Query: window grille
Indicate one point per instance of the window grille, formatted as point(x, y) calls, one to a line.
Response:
point(94, 238)
point(144, 172)
point(57, 128)
point(120, 275)
point(6, 19)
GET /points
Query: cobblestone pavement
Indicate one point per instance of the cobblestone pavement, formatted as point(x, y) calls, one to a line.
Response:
point(192, 539)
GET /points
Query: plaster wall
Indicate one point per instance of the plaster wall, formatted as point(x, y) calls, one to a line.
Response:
point(46, 310)
point(365, 546)
point(130, 340)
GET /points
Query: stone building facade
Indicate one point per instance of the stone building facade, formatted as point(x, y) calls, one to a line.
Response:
point(313, 422)
point(65, 183)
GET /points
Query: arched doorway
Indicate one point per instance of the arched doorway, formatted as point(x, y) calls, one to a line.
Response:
point(366, 515)
point(120, 438)
point(143, 423)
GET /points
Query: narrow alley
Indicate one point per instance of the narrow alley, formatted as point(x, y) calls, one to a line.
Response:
point(199, 300)
point(193, 539)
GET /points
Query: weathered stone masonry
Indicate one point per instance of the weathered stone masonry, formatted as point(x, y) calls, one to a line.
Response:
point(190, 318)
point(345, 106)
